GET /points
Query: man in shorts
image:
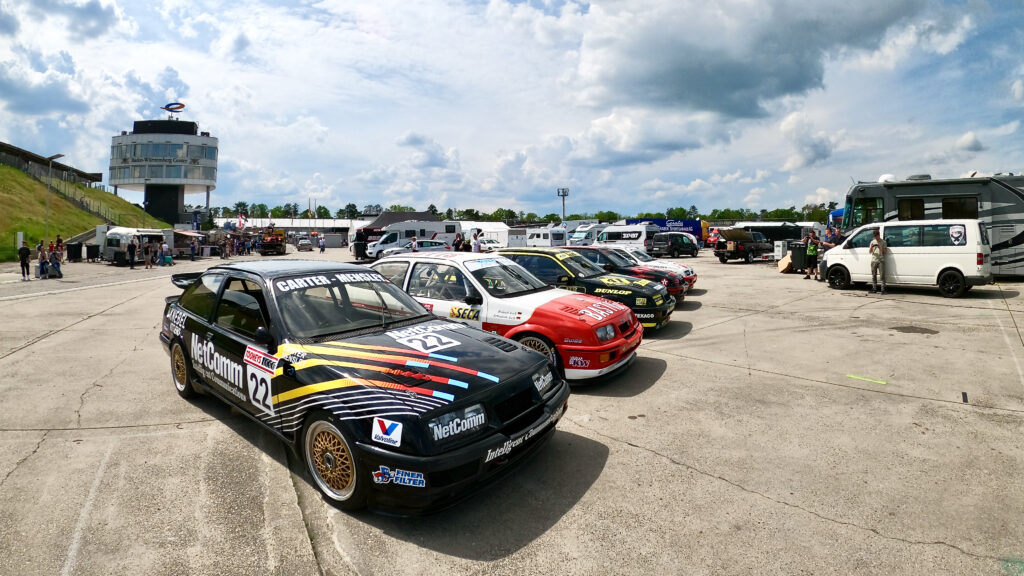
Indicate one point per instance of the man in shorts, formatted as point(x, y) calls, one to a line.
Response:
point(813, 243)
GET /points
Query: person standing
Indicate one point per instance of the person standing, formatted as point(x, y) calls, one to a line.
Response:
point(41, 258)
point(813, 243)
point(323, 244)
point(878, 249)
point(415, 245)
point(60, 248)
point(165, 251)
point(476, 242)
point(132, 249)
point(457, 243)
point(192, 250)
point(147, 253)
point(23, 255)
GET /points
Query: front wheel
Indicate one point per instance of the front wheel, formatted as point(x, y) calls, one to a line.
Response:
point(750, 257)
point(951, 284)
point(335, 470)
point(675, 253)
point(693, 253)
point(181, 372)
point(838, 278)
point(542, 345)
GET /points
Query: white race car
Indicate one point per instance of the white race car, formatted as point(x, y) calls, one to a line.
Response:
point(583, 336)
point(644, 259)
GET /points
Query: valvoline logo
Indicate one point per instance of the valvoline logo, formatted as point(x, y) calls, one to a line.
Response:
point(387, 432)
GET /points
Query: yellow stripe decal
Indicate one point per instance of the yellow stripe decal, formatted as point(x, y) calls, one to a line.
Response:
point(313, 388)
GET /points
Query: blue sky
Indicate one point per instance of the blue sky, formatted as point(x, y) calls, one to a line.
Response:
point(634, 105)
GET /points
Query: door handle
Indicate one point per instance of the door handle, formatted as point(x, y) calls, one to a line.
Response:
point(209, 335)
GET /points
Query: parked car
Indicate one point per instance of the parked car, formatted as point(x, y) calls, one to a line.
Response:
point(585, 337)
point(673, 244)
point(489, 244)
point(641, 258)
point(954, 255)
point(421, 246)
point(612, 261)
point(384, 403)
point(742, 244)
point(650, 301)
point(304, 245)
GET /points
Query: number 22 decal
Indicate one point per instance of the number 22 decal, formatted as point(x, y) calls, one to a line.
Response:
point(259, 389)
point(428, 342)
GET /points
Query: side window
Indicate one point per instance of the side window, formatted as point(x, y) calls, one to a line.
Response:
point(867, 210)
point(201, 297)
point(449, 228)
point(902, 236)
point(393, 271)
point(862, 239)
point(543, 268)
point(241, 307)
point(409, 233)
point(945, 235)
point(593, 255)
point(910, 209)
point(966, 207)
point(437, 281)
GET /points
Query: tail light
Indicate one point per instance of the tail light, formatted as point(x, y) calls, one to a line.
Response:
point(981, 258)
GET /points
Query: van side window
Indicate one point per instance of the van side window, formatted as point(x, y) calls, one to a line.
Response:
point(449, 228)
point(903, 236)
point(862, 239)
point(409, 233)
point(965, 207)
point(911, 209)
point(945, 235)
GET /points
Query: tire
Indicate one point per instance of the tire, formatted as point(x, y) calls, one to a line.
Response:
point(336, 472)
point(181, 372)
point(723, 259)
point(542, 345)
point(838, 278)
point(951, 284)
point(693, 253)
point(750, 257)
point(675, 253)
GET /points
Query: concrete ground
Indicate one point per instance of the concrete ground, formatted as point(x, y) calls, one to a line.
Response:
point(774, 427)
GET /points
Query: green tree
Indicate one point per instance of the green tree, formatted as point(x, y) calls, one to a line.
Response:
point(607, 216)
point(432, 209)
point(449, 214)
point(693, 213)
point(351, 210)
point(400, 208)
point(258, 211)
point(530, 217)
point(468, 214)
point(552, 217)
point(323, 212)
point(241, 207)
point(226, 212)
point(644, 215)
point(677, 213)
point(503, 215)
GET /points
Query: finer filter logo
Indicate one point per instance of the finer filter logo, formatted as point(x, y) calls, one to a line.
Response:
point(387, 432)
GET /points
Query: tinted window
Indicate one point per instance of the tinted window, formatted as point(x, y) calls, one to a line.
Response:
point(449, 228)
point(911, 209)
point(866, 211)
point(902, 236)
point(393, 271)
point(542, 267)
point(201, 297)
point(960, 207)
point(862, 239)
point(311, 309)
point(593, 255)
point(945, 235)
point(241, 307)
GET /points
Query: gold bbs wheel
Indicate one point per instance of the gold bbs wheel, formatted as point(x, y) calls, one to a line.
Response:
point(330, 460)
point(542, 345)
point(180, 374)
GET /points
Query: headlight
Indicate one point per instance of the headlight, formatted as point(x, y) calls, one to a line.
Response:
point(458, 422)
point(542, 379)
point(605, 333)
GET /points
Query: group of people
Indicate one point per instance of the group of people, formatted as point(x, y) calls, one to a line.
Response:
point(832, 238)
point(464, 245)
point(50, 259)
point(153, 253)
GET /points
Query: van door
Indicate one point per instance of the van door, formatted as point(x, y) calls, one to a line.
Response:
point(855, 256)
point(905, 259)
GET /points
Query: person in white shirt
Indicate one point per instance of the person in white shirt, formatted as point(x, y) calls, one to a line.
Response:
point(476, 243)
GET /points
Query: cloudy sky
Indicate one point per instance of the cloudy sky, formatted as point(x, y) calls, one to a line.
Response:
point(634, 105)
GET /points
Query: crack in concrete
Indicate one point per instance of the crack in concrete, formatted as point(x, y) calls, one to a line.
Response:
point(23, 459)
point(818, 515)
point(96, 384)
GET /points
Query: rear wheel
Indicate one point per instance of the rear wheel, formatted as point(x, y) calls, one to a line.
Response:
point(335, 470)
point(542, 345)
point(951, 284)
point(675, 253)
point(723, 259)
point(181, 372)
point(750, 257)
point(838, 278)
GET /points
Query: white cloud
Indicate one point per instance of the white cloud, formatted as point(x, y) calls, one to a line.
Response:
point(969, 143)
point(901, 42)
point(811, 146)
point(1017, 89)
point(753, 198)
point(823, 196)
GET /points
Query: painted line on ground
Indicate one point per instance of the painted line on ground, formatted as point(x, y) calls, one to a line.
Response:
point(882, 382)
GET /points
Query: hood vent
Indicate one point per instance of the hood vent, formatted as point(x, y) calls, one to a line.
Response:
point(501, 344)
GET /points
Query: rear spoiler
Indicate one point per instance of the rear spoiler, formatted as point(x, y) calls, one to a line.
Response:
point(185, 280)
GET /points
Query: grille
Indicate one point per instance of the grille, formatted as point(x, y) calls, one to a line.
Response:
point(511, 407)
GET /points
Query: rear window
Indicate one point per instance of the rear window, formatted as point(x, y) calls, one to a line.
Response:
point(201, 296)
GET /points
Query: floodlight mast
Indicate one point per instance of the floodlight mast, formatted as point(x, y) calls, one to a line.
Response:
point(562, 193)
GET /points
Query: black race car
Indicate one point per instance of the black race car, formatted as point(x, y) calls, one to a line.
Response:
point(386, 404)
point(612, 261)
point(650, 301)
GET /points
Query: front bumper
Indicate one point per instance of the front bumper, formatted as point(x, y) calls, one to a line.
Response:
point(584, 363)
point(655, 316)
point(450, 477)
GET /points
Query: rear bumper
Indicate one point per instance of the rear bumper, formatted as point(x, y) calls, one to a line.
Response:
point(979, 280)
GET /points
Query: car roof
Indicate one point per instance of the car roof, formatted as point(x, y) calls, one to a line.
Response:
point(269, 269)
point(459, 257)
point(537, 249)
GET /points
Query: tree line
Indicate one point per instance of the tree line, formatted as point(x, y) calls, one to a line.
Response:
point(808, 213)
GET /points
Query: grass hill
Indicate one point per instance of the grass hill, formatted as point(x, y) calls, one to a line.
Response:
point(24, 210)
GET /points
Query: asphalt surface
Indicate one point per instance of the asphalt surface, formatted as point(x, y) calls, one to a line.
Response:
point(774, 427)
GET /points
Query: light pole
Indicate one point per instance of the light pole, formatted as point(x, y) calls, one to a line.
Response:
point(562, 193)
point(49, 180)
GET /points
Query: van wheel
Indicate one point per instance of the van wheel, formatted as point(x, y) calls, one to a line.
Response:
point(675, 253)
point(951, 284)
point(693, 253)
point(723, 259)
point(838, 278)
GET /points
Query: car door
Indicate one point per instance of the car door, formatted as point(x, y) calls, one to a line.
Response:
point(242, 368)
point(903, 248)
point(443, 289)
point(856, 256)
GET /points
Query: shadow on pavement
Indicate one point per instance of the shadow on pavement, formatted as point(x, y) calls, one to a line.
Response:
point(688, 305)
point(675, 329)
point(635, 380)
point(242, 425)
point(511, 513)
point(696, 292)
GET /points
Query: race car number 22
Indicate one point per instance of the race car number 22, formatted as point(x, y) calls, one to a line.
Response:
point(428, 342)
point(258, 382)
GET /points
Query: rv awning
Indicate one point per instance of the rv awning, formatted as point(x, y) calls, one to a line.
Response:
point(188, 233)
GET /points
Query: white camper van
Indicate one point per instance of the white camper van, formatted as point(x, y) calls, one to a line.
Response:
point(547, 236)
point(586, 234)
point(638, 235)
point(398, 234)
point(954, 255)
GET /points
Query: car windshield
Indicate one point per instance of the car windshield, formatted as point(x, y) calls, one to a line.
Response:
point(319, 305)
point(502, 277)
point(579, 266)
point(617, 259)
point(641, 256)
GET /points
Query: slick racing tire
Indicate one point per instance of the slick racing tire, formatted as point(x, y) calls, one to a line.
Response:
point(181, 372)
point(542, 345)
point(332, 463)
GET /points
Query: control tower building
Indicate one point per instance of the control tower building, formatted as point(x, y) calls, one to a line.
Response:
point(165, 159)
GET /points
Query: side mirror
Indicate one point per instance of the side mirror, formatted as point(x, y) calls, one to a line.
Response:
point(262, 336)
point(474, 300)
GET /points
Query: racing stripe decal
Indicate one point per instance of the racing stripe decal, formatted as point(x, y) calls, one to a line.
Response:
point(347, 382)
point(321, 362)
point(393, 359)
point(393, 349)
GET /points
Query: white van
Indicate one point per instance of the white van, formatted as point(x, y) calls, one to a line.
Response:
point(639, 235)
point(586, 234)
point(547, 236)
point(400, 233)
point(954, 255)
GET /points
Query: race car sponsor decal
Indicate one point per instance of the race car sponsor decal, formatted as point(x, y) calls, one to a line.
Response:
point(360, 277)
point(474, 265)
point(176, 317)
point(260, 359)
point(641, 301)
point(578, 362)
point(645, 316)
point(428, 306)
point(658, 300)
point(564, 255)
point(512, 444)
point(540, 382)
point(602, 310)
point(507, 315)
point(464, 313)
point(423, 338)
point(259, 369)
point(458, 426)
point(573, 341)
point(214, 366)
point(304, 282)
point(387, 432)
point(385, 475)
point(615, 281)
point(612, 291)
